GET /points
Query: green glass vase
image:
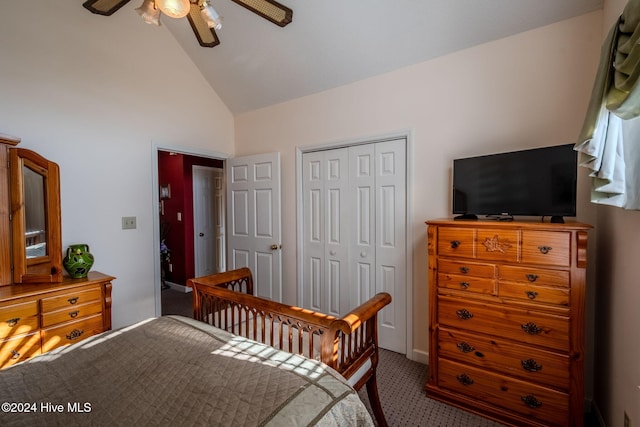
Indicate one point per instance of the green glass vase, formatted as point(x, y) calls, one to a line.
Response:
point(78, 261)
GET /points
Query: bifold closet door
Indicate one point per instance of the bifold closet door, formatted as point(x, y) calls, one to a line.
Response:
point(354, 208)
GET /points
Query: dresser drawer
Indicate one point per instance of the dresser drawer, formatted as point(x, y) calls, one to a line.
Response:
point(457, 242)
point(501, 320)
point(466, 268)
point(527, 363)
point(18, 318)
point(71, 299)
point(71, 313)
point(536, 276)
point(72, 332)
point(539, 403)
point(546, 247)
point(19, 348)
point(498, 245)
point(535, 294)
point(467, 283)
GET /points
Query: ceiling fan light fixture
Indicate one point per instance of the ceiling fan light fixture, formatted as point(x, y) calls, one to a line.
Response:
point(174, 8)
point(149, 13)
point(210, 16)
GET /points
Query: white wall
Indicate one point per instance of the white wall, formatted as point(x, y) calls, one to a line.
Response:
point(94, 94)
point(617, 383)
point(524, 91)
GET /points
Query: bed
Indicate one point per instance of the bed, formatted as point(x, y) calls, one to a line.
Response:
point(174, 370)
point(348, 344)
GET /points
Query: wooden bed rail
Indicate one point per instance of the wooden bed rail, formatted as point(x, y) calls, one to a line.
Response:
point(348, 344)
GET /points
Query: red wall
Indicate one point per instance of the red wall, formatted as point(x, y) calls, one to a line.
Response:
point(176, 170)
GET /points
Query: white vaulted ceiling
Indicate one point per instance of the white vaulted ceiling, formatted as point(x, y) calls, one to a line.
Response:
point(335, 42)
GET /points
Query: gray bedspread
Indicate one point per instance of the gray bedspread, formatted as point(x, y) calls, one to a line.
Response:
point(175, 371)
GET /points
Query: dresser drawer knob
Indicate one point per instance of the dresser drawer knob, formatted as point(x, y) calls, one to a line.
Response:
point(531, 294)
point(15, 355)
point(13, 322)
point(531, 365)
point(75, 334)
point(464, 270)
point(544, 249)
point(464, 314)
point(74, 314)
point(73, 300)
point(464, 285)
point(465, 347)
point(531, 328)
point(531, 401)
point(455, 244)
point(464, 379)
point(532, 277)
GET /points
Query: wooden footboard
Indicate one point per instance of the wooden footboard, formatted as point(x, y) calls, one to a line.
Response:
point(348, 344)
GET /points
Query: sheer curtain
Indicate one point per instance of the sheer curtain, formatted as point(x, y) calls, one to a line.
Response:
point(609, 143)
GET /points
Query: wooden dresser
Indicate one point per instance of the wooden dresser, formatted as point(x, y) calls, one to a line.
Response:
point(37, 318)
point(40, 308)
point(506, 319)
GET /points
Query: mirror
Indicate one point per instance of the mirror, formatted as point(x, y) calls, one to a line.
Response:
point(34, 211)
point(35, 208)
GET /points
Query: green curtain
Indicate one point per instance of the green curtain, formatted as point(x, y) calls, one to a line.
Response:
point(607, 137)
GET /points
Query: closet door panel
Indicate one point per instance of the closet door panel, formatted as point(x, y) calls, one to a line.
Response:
point(313, 231)
point(362, 249)
point(390, 261)
point(337, 221)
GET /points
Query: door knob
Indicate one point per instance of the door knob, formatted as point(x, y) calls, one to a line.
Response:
point(275, 247)
point(201, 234)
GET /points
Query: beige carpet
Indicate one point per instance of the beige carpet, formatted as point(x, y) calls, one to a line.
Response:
point(401, 389)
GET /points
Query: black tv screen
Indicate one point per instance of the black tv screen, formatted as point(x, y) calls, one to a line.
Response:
point(536, 182)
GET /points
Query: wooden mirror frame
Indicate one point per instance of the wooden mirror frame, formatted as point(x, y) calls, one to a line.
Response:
point(46, 268)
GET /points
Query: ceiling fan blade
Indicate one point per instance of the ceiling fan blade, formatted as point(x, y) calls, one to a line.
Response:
point(206, 36)
point(104, 7)
point(271, 10)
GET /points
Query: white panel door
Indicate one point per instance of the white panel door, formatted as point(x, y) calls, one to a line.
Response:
point(206, 203)
point(391, 264)
point(253, 211)
point(219, 220)
point(325, 235)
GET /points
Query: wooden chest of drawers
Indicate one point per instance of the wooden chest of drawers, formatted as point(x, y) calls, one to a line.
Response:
point(35, 319)
point(506, 319)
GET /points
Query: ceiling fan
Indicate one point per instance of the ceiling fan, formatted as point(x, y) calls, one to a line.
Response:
point(203, 18)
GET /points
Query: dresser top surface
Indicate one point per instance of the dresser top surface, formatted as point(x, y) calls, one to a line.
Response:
point(523, 224)
point(24, 290)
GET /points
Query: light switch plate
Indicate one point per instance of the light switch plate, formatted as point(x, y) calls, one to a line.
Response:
point(128, 222)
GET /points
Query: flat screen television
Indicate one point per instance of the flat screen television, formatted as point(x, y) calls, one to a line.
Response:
point(535, 182)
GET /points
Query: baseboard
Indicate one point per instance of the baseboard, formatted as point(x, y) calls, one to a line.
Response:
point(420, 356)
point(177, 287)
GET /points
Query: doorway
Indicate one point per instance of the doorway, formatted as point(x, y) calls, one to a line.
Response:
point(175, 226)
